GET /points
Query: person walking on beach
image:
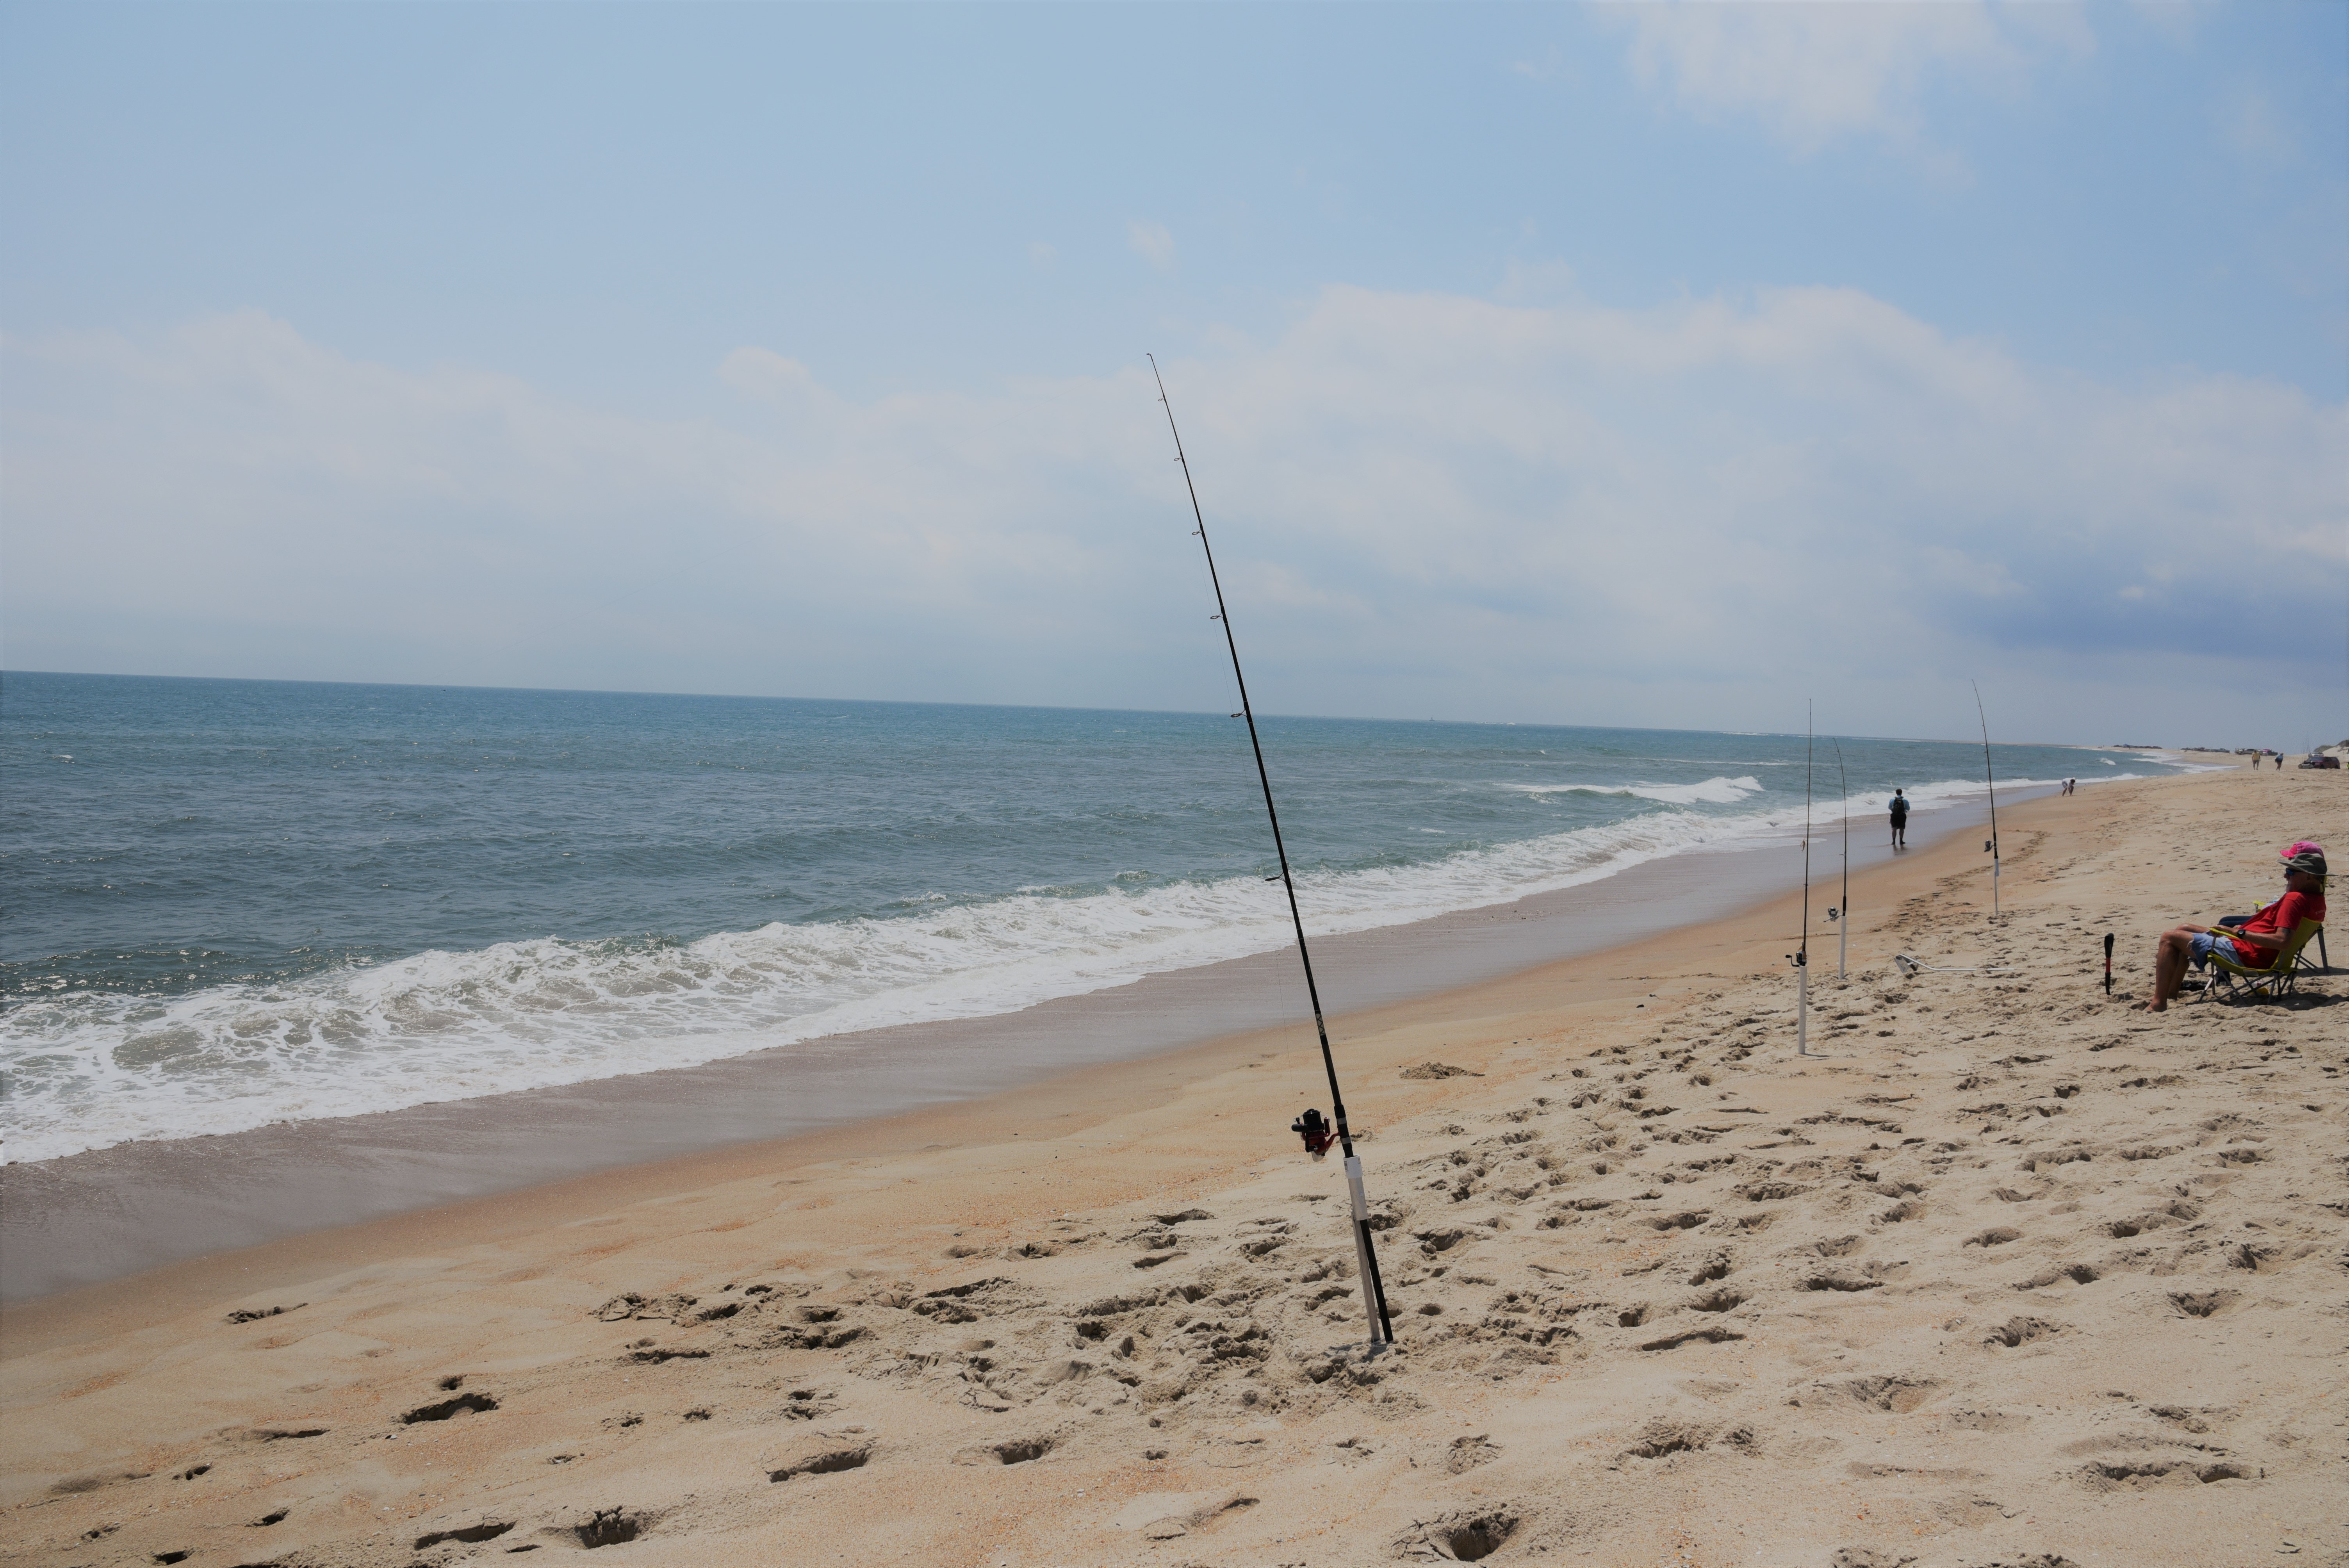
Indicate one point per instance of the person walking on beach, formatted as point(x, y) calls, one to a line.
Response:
point(1900, 820)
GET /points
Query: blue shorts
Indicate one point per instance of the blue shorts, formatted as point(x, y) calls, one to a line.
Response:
point(2206, 942)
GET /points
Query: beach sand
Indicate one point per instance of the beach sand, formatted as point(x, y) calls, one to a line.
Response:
point(2010, 1274)
point(130, 1207)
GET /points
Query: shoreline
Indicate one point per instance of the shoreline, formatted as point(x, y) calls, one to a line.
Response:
point(1030, 1105)
point(52, 1126)
point(83, 1220)
point(2007, 1272)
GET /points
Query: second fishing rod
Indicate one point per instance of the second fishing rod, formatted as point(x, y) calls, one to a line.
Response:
point(1801, 956)
point(1991, 784)
point(1318, 1135)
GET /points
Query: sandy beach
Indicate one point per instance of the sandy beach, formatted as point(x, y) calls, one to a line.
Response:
point(106, 1212)
point(2008, 1274)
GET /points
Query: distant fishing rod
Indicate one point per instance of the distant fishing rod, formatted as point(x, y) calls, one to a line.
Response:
point(1802, 954)
point(1991, 785)
point(1841, 914)
point(1316, 1134)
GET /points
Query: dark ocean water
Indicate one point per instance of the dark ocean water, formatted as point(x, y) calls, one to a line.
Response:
point(230, 903)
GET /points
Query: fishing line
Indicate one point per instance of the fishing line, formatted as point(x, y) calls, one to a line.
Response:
point(1310, 1126)
point(1909, 966)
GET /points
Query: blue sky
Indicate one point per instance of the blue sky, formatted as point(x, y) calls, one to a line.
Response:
point(1621, 364)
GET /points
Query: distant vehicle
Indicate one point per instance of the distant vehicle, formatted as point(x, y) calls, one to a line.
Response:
point(2320, 762)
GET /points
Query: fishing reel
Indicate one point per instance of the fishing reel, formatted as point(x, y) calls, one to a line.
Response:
point(1317, 1132)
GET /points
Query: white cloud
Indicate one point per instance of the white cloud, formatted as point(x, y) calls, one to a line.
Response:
point(761, 373)
point(1812, 73)
point(1152, 243)
point(1537, 283)
point(2249, 123)
point(2180, 22)
point(1424, 504)
point(1555, 67)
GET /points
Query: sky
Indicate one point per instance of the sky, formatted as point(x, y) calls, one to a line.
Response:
point(1641, 364)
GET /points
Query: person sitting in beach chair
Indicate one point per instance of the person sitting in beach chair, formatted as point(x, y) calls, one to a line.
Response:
point(2324, 960)
point(2280, 977)
point(2265, 945)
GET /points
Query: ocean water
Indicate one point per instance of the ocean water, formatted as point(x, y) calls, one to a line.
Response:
point(237, 903)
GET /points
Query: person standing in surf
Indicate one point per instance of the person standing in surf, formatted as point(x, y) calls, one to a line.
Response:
point(1900, 820)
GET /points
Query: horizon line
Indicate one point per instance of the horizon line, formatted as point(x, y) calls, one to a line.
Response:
point(1064, 708)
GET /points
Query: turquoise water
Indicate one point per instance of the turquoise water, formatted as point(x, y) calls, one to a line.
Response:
point(234, 903)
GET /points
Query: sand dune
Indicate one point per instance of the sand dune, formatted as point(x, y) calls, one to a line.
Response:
point(2008, 1274)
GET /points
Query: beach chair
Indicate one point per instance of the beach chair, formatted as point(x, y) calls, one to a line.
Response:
point(2323, 964)
point(2281, 978)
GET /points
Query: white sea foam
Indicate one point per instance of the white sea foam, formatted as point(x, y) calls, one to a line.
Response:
point(88, 1071)
point(1712, 792)
point(2181, 761)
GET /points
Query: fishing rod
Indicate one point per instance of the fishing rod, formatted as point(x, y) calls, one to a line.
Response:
point(1841, 914)
point(1802, 954)
point(1991, 785)
point(1318, 1135)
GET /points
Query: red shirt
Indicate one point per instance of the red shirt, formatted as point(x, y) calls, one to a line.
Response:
point(2281, 918)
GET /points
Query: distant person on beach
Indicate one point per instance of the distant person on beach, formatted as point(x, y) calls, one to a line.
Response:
point(1900, 820)
point(2255, 944)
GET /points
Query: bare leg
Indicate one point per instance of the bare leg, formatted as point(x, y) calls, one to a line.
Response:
point(2170, 961)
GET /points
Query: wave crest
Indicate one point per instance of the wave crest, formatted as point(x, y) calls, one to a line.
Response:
point(1711, 792)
